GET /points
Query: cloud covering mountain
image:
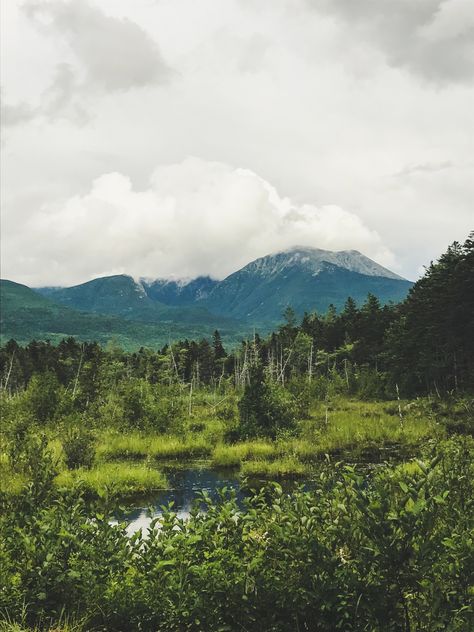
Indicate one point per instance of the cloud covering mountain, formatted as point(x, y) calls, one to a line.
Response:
point(359, 113)
point(195, 218)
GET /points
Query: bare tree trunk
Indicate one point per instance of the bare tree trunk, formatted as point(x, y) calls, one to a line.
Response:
point(399, 406)
point(282, 374)
point(174, 362)
point(78, 372)
point(7, 379)
point(198, 377)
point(455, 373)
point(222, 376)
point(345, 372)
point(243, 375)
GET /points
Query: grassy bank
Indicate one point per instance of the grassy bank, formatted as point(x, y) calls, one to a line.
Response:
point(126, 462)
point(116, 479)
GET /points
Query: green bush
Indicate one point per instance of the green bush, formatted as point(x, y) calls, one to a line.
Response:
point(78, 446)
point(265, 407)
point(392, 552)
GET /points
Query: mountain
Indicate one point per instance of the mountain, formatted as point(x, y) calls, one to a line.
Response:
point(306, 279)
point(182, 292)
point(121, 295)
point(151, 312)
point(25, 315)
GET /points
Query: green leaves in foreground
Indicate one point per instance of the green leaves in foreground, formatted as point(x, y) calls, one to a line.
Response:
point(389, 552)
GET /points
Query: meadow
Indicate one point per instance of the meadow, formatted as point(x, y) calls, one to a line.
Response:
point(125, 462)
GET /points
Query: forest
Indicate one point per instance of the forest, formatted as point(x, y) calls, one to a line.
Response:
point(353, 428)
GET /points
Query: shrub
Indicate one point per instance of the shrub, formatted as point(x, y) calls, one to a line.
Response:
point(78, 446)
point(265, 407)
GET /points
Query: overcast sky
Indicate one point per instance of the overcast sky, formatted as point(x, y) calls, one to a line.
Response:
point(176, 138)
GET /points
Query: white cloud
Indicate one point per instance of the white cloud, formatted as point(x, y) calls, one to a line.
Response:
point(196, 217)
point(326, 99)
point(116, 53)
point(105, 54)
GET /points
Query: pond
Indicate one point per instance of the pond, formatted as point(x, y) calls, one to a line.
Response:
point(185, 485)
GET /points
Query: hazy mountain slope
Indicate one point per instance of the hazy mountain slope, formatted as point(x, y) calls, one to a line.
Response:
point(172, 292)
point(26, 315)
point(121, 295)
point(153, 312)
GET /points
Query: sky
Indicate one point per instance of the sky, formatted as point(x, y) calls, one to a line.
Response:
point(175, 138)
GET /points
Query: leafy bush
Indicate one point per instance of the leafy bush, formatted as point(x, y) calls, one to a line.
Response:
point(390, 552)
point(265, 407)
point(78, 446)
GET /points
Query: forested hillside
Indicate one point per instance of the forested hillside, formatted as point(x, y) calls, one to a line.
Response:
point(26, 315)
point(425, 344)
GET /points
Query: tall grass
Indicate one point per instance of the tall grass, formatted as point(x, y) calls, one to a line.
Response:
point(117, 479)
point(344, 431)
point(351, 425)
point(134, 446)
point(122, 446)
point(234, 455)
point(165, 447)
point(279, 468)
point(63, 623)
point(11, 482)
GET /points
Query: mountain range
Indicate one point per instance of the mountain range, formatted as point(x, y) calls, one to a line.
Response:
point(150, 312)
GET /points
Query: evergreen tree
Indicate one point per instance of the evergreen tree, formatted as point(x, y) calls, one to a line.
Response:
point(218, 348)
point(264, 408)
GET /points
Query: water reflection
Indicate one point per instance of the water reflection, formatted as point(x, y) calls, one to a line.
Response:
point(185, 486)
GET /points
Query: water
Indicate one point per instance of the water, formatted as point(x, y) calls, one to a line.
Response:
point(185, 484)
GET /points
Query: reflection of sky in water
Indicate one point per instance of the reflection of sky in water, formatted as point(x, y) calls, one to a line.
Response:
point(184, 488)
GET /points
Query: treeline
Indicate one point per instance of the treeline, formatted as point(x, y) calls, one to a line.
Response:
point(425, 344)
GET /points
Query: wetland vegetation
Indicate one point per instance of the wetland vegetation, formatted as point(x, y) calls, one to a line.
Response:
point(86, 428)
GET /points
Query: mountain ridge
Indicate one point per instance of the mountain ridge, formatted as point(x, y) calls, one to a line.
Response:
point(303, 277)
point(256, 295)
point(352, 260)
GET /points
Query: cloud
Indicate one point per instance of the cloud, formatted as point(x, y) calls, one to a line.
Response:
point(433, 39)
point(196, 217)
point(16, 114)
point(423, 168)
point(109, 55)
point(116, 54)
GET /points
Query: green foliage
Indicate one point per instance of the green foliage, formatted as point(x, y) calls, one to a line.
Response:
point(78, 446)
point(114, 479)
point(389, 552)
point(43, 396)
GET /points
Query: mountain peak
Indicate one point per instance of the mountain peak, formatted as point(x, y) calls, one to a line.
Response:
point(315, 260)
